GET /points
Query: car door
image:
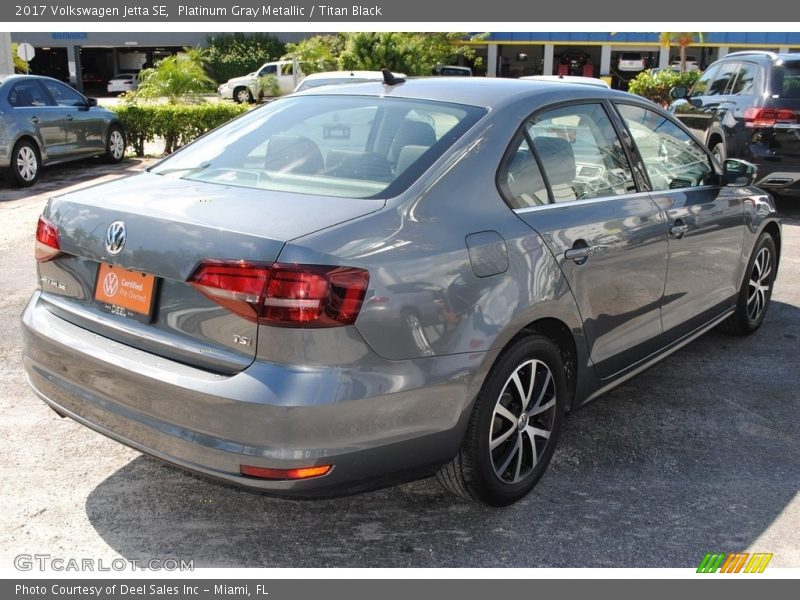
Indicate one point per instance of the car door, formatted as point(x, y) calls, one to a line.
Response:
point(85, 127)
point(35, 112)
point(705, 221)
point(608, 237)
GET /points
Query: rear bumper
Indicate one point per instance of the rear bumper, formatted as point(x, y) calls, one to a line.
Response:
point(266, 416)
point(777, 156)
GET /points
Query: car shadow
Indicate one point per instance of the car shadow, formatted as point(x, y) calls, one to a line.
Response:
point(697, 454)
point(68, 175)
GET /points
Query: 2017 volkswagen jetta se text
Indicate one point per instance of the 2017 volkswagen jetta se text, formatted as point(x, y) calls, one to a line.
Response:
point(363, 284)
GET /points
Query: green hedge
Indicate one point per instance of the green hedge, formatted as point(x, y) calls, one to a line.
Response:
point(656, 87)
point(176, 124)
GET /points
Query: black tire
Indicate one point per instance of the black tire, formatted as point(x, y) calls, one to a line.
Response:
point(115, 145)
point(25, 164)
point(242, 95)
point(756, 290)
point(503, 475)
point(718, 150)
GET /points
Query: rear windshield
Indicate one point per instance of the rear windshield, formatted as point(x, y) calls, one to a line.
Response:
point(346, 146)
point(631, 56)
point(786, 80)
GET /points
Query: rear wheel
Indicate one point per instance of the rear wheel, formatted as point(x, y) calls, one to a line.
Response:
point(756, 290)
point(514, 426)
point(242, 95)
point(115, 144)
point(25, 164)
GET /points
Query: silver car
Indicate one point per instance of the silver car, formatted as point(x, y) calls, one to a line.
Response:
point(44, 121)
point(358, 285)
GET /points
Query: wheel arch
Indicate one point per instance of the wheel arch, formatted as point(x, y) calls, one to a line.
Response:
point(36, 142)
point(774, 230)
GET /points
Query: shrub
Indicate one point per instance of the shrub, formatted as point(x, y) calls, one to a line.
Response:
point(176, 124)
point(237, 54)
point(656, 87)
point(174, 77)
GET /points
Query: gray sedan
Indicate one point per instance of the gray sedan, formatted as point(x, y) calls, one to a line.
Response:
point(44, 121)
point(363, 284)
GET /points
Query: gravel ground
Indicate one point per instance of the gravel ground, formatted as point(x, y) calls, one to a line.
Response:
point(698, 454)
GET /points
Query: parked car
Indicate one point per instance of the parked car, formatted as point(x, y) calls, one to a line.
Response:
point(246, 88)
point(632, 61)
point(123, 82)
point(46, 122)
point(747, 105)
point(692, 64)
point(92, 79)
point(568, 79)
point(340, 77)
point(451, 71)
point(351, 286)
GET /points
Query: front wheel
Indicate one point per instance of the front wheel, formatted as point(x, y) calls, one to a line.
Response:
point(719, 152)
point(756, 290)
point(242, 95)
point(115, 144)
point(514, 426)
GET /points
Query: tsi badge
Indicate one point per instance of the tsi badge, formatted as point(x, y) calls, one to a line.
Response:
point(116, 237)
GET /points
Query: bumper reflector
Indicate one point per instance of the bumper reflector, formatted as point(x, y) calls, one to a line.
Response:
point(283, 474)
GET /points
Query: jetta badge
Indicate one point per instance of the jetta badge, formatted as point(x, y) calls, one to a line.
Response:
point(115, 237)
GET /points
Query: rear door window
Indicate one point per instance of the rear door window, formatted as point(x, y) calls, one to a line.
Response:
point(28, 93)
point(701, 86)
point(722, 82)
point(746, 82)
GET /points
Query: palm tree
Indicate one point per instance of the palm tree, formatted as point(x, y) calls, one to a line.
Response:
point(682, 39)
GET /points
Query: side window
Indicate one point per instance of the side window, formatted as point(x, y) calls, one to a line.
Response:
point(268, 70)
point(701, 86)
point(746, 82)
point(723, 80)
point(519, 178)
point(64, 95)
point(28, 93)
point(580, 153)
point(672, 158)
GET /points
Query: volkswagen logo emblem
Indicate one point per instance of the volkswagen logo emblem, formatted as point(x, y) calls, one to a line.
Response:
point(115, 237)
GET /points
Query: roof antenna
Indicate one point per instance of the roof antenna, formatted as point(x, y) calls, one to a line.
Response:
point(390, 79)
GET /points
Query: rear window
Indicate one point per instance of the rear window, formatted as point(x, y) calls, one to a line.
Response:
point(631, 56)
point(786, 80)
point(346, 146)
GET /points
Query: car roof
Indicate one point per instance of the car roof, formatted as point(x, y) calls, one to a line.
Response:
point(348, 74)
point(21, 76)
point(476, 91)
point(578, 79)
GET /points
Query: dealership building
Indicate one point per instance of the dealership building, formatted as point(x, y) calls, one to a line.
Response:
point(92, 57)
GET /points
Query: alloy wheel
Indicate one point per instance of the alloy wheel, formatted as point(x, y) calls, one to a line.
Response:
point(116, 144)
point(759, 284)
point(522, 422)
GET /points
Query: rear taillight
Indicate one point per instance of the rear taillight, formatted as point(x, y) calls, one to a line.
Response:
point(284, 295)
point(769, 117)
point(284, 474)
point(47, 244)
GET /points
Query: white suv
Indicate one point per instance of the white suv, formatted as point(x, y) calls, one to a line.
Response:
point(245, 88)
point(632, 61)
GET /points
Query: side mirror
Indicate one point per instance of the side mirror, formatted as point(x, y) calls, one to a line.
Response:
point(738, 173)
point(90, 102)
point(679, 92)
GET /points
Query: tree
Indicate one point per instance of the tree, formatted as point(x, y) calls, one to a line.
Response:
point(20, 65)
point(175, 77)
point(410, 53)
point(237, 54)
point(682, 39)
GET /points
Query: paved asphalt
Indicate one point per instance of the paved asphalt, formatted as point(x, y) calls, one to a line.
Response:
point(698, 454)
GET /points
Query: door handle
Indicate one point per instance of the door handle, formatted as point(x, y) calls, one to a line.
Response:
point(580, 252)
point(678, 229)
point(34, 120)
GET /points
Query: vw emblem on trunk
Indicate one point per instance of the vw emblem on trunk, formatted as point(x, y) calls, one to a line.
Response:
point(115, 237)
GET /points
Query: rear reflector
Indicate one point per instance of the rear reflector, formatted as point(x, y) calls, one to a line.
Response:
point(284, 295)
point(769, 117)
point(284, 474)
point(47, 244)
